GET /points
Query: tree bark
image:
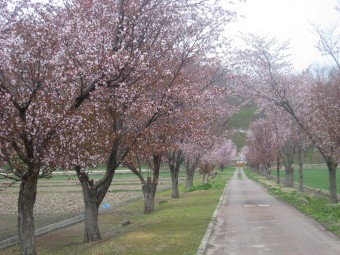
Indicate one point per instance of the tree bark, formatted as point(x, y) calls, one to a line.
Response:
point(332, 165)
point(175, 159)
point(174, 182)
point(189, 180)
point(300, 169)
point(190, 173)
point(278, 170)
point(26, 201)
point(267, 171)
point(149, 191)
point(91, 228)
point(150, 187)
point(203, 178)
point(93, 195)
point(289, 177)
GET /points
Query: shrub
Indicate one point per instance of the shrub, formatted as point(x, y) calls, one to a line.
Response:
point(205, 186)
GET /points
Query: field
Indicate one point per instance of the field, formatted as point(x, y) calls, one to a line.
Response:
point(176, 227)
point(60, 198)
point(315, 178)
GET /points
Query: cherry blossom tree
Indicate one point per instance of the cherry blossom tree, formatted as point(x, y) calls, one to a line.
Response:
point(219, 153)
point(194, 148)
point(186, 118)
point(175, 159)
point(270, 80)
point(226, 153)
point(252, 157)
point(329, 42)
point(150, 150)
point(290, 144)
point(153, 54)
point(32, 109)
point(57, 58)
point(286, 138)
point(261, 142)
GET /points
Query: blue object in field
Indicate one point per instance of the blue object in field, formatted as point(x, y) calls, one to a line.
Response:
point(106, 206)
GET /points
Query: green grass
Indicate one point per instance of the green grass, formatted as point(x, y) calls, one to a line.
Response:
point(207, 186)
point(315, 178)
point(176, 227)
point(316, 207)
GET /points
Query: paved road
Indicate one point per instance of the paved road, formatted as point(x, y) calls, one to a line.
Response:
point(252, 222)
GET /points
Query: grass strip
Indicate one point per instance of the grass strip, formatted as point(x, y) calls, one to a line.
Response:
point(177, 226)
point(325, 213)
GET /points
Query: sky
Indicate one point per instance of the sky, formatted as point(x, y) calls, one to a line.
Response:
point(288, 20)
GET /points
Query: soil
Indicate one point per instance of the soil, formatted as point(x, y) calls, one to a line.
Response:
point(59, 200)
point(65, 196)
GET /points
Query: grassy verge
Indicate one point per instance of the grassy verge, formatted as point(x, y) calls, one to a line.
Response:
point(177, 226)
point(328, 215)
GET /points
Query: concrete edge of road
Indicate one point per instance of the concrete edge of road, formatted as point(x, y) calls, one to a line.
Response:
point(203, 246)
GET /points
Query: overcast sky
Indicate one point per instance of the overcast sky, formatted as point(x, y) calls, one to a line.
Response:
point(288, 20)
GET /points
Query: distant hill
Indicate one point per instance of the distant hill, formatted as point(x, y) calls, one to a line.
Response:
point(240, 122)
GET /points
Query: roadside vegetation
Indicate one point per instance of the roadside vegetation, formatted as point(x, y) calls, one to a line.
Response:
point(319, 208)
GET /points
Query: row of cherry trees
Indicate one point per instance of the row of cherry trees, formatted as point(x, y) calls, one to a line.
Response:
point(300, 108)
point(276, 139)
point(118, 82)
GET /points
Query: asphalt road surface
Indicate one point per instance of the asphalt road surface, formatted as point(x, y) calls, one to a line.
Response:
point(250, 221)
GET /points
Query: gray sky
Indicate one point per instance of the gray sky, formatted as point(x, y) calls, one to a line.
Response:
point(288, 20)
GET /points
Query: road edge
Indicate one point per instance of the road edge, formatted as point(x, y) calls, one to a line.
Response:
point(203, 246)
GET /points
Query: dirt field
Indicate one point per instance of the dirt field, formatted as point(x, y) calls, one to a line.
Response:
point(60, 199)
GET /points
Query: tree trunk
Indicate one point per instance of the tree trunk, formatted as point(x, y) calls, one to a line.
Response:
point(278, 170)
point(190, 172)
point(150, 187)
point(300, 169)
point(149, 191)
point(189, 181)
point(289, 178)
point(175, 159)
point(332, 165)
point(267, 172)
point(203, 178)
point(263, 170)
point(174, 182)
point(93, 195)
point(26, 201)
point(91, 228)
